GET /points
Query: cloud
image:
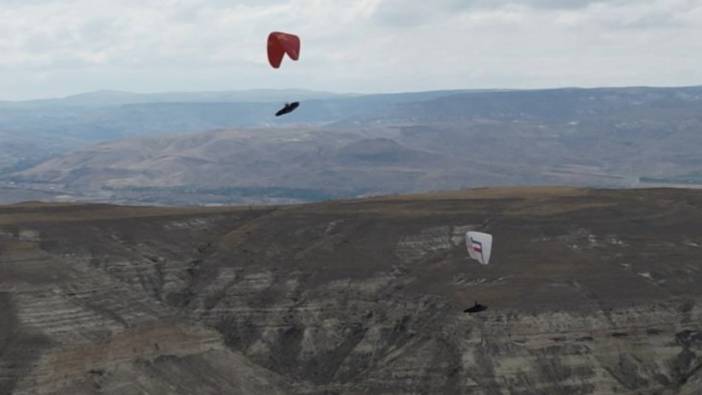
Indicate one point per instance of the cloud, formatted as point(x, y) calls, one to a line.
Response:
point(58, 47)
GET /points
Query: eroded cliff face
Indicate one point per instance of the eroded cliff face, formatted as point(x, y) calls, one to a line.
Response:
point(588, 292)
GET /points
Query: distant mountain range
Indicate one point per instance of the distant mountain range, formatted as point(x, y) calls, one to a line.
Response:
point(108, 98)
point(35, 130)
point(228, 147)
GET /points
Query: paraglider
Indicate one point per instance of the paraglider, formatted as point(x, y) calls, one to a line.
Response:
point(289, 107)
point(281, 44)
point(479, 246)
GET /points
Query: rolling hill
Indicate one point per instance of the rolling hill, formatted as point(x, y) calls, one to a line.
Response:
point(366, 145)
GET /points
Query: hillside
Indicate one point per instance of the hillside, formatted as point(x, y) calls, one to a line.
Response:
point(589, 291)
point(365, 145)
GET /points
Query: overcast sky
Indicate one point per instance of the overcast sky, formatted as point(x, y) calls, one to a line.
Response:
point(60, 47)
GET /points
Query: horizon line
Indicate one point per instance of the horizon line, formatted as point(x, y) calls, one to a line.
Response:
point(335, 93)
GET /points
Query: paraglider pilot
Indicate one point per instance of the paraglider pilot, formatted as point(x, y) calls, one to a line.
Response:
point(289, 107)
point(477, 307)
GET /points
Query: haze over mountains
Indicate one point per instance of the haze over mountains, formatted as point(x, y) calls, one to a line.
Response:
point(227, 147)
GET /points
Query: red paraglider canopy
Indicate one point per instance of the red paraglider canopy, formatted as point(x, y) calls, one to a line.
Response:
point(280, 44)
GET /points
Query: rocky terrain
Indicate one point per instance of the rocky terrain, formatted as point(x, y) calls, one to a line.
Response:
point(588, 291)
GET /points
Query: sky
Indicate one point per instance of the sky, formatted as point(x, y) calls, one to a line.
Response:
point(51, 48)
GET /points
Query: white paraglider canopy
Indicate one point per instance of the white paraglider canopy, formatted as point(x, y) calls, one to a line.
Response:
point(479, 246)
